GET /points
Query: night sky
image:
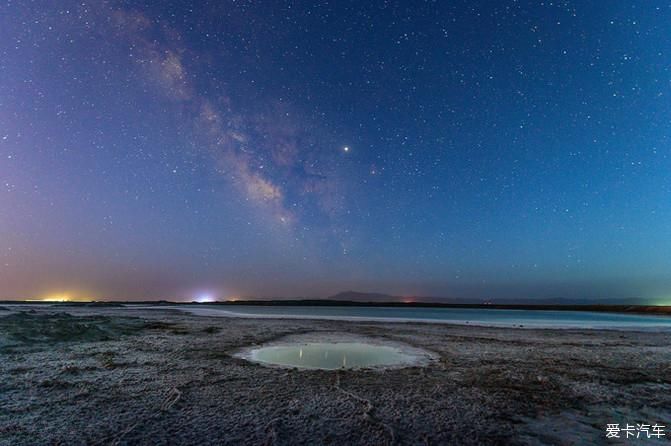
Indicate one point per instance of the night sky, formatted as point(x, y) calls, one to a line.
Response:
point(480, 149)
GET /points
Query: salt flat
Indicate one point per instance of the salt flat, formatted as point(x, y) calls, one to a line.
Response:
point(114, 375)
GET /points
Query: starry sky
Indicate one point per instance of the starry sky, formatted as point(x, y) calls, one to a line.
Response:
point(479, 149)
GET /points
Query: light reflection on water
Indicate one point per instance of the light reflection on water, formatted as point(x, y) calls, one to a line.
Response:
point(331, 356)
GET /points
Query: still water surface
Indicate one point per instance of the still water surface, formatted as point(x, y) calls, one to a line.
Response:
point(331, 356)
point(473, 316)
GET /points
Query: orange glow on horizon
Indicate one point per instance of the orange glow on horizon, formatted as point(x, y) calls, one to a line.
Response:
point(60, 297)
point(57, 298)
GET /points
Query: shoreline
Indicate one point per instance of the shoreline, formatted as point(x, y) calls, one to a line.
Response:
point(653, 310)
point(661, 323)
point(215, 312)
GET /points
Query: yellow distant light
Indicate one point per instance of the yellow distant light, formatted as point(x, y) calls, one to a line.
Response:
point(57, 298)
point(60, 297)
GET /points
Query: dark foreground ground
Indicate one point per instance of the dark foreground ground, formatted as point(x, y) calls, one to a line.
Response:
point(116, 376)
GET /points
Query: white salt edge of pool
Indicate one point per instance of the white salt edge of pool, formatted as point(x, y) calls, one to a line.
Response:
point(311, 352)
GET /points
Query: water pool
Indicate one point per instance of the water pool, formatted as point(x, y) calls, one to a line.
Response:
point(331, 355)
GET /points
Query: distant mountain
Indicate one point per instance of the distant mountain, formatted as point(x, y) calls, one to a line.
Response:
point(356, 296)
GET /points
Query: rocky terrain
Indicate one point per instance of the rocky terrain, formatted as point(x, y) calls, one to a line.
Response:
point(114, 375)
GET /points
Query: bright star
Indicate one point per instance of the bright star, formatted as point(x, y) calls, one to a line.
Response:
point(345, 149)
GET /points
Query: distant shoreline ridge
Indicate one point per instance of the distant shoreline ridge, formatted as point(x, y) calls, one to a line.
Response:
point(610, 308)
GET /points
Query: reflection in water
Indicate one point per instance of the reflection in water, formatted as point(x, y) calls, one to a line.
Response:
point(331, 356)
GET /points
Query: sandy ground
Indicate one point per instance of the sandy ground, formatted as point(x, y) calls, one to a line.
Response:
point(117, 376)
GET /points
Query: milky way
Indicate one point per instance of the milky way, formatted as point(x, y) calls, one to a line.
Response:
point(460, 149)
